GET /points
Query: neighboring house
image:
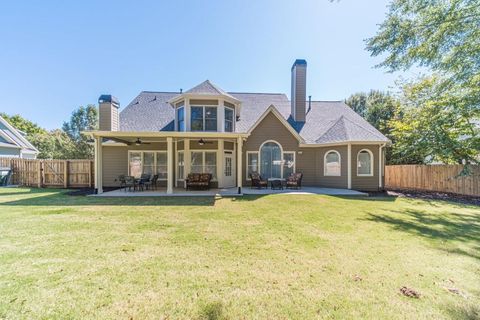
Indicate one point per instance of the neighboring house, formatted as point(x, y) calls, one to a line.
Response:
point(13, 142)
point(231, 134)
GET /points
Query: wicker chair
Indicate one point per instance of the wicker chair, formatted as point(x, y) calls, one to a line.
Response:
point(294, 181)
point(257, 181)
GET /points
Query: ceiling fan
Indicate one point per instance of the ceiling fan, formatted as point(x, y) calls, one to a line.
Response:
point(139, 142)
point(203, 142)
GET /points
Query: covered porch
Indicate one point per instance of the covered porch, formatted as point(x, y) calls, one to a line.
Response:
point(171, 156)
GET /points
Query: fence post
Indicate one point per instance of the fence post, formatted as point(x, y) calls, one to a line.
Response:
point(65, 174)
point(39, 172)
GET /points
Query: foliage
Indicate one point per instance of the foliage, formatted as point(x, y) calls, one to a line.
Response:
point(82, 118)
point(55, 144)
point(444, 37)
point(431, 129)
point(23, 124)
point(378, 108)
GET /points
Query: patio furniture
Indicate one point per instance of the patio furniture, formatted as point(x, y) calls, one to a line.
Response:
point(257, 181)
point(129, 182)
point(144, 178)
point(198, 181)
point(5, 174)
point(151, 183)
point(294, 181)
point(276, 184)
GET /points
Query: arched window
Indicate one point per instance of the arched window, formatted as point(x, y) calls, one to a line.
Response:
point(332, 163)
point(365, 163)
point(271, 160)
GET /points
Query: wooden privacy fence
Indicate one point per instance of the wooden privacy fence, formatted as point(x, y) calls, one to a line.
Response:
point(50, 173)
point(441, 178)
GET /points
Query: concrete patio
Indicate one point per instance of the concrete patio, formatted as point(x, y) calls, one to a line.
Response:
point(228, 192)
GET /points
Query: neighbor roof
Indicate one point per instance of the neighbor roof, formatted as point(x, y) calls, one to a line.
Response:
point(326, 121)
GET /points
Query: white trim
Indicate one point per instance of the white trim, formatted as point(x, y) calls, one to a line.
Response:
point(280, 118)
point(98, 166)
point(176, 118)
point(203, 117)
point(164, 134)
point(169, 165)
point(345, 143)
point(224, 120)
point(177, 171)
point(196, 96)
point(18, 135)
point(371, 164)
point(380, 166)
point(349, 166)
point(325, 163)
point(239, 164)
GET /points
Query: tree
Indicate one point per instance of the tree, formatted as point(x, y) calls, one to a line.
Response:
point(378, 108)
point(55, 144)
point(83, 118)
point(23, 124)
point(444, 37)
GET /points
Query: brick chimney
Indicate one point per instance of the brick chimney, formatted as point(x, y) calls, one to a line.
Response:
point(299, 90)
point(108, 119)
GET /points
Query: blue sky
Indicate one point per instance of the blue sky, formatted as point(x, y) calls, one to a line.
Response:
point(58, 55)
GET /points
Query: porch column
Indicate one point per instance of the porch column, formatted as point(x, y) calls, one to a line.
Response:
point(98, 166)
point(220, 163)
point(169, 165)
point(239, 164)
point(380, 159)
point(186, 160)
point(349, 166)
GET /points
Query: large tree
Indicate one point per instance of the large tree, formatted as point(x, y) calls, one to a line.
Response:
point(378, 108)
point(442, 36)
point(22, 124)
point(82, 118)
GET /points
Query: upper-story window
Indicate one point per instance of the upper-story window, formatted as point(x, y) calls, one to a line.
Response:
point(229, 118)
point(203, 118)
point(181, 119)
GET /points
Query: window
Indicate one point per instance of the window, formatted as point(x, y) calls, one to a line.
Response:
point(271, 160)
point(332, 166)
point(181, 119)
point(148, 162)
point(288, 163)
point(210, 119)
point(197, 118)
point(252, 163)
point(365, 163)
point(229, 116)
point(204, 162)
point(135, 164)
point(203, 118)
point(180, 166)
point(161, 165)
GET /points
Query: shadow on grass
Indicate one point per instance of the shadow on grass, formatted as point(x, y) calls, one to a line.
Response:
point(49, 197)
point(467, 312)
point(444, 227)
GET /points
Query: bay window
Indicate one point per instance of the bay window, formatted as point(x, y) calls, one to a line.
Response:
point(365, 163)
point(332, 165)
point(181, 119)
point(229, 118)
point(203, 118)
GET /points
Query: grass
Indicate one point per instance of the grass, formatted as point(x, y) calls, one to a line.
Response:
point(270, 257)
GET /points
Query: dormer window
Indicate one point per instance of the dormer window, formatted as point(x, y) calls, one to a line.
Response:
point(203, 118)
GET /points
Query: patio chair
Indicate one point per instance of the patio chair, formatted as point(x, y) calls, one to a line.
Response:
point(144, 178)
point(129, 182)
point(257, 181)
point(151, 183)
point(294, 181)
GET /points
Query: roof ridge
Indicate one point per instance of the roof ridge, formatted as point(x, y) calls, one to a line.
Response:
point(269, 93)
point(332, 126)
point(362, 127)
point(148, 91)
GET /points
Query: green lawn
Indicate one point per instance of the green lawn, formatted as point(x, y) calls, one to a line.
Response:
point(271, 257)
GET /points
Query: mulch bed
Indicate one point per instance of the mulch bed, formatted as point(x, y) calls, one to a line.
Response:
point(429, 195)
point(86, 191)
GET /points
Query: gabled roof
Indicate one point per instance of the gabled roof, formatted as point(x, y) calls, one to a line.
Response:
point(13, 137)
point(326, 121)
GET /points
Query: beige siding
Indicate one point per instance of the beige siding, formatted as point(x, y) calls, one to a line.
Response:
point(365, 183)
point(108, 117)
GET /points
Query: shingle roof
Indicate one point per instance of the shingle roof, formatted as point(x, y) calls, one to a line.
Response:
point(208, 88)
point(326, 121)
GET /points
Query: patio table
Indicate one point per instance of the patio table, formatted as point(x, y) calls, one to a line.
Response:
point(276, 183)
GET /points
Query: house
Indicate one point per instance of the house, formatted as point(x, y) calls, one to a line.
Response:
point(231, 134)
point(13, 142)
